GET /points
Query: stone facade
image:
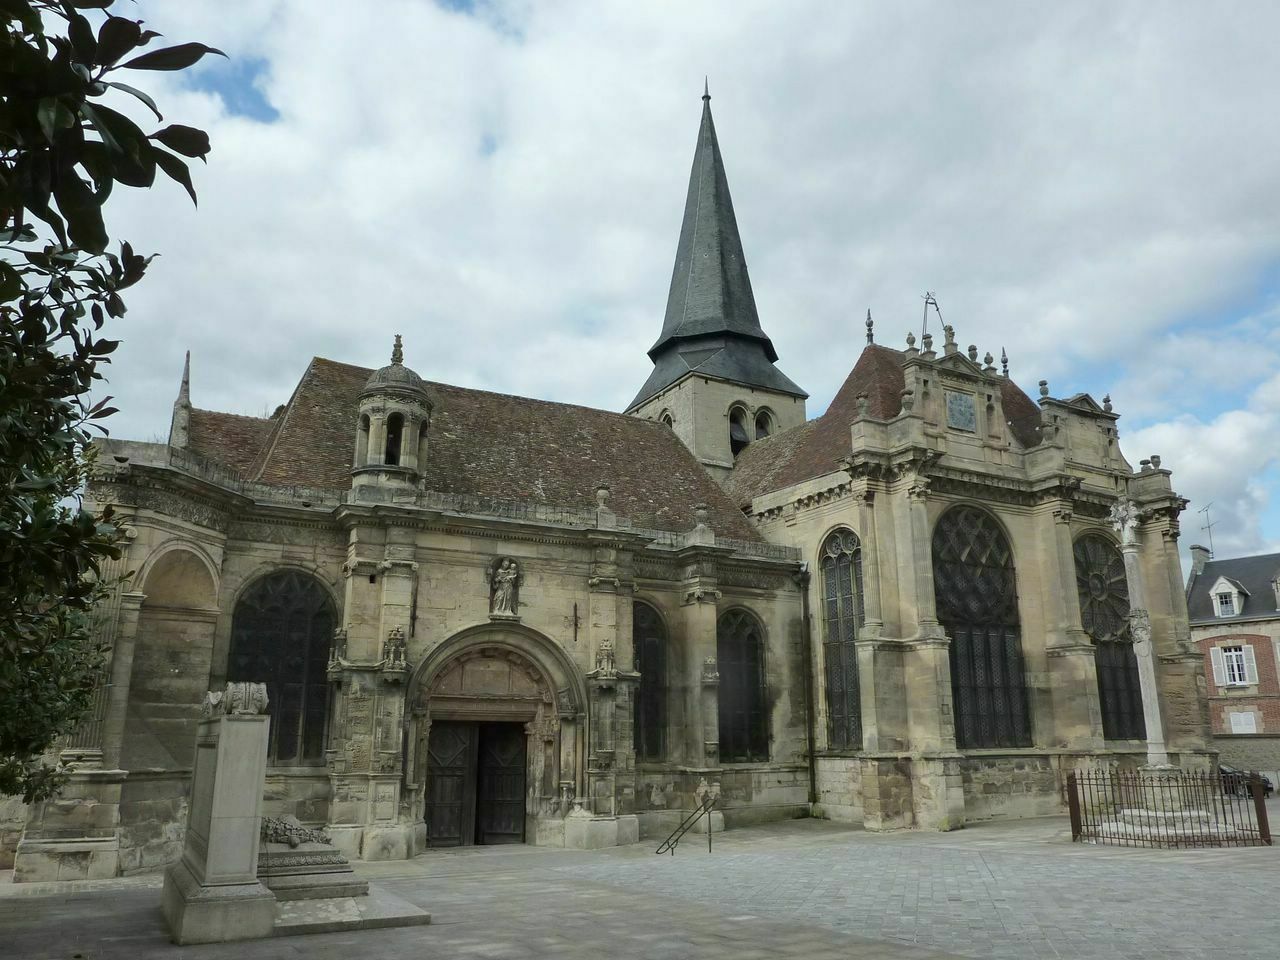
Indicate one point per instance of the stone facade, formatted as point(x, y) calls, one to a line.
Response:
point(484, 618)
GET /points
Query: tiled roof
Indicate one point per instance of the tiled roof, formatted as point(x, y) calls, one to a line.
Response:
point(1252, 574)
point(228, 438)
point(495, 445)
point(816, 448)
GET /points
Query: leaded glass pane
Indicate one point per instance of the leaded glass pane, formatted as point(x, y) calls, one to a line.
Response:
point(975, 590)
point(280, 635)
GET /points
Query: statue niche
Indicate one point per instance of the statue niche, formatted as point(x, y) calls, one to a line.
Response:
point(504, 589)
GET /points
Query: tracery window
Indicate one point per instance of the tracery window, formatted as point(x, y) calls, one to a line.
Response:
point(744, 719)
point(281, 633)
point(841, 564)
point(1104, 613)
point(977, 600)
point(649, 642)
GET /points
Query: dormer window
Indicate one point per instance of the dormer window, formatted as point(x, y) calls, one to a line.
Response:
point(1228, 597)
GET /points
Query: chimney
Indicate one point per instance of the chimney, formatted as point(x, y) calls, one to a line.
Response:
point(1199, 557)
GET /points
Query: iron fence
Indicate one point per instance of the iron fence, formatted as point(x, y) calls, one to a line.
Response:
point(1167, 809)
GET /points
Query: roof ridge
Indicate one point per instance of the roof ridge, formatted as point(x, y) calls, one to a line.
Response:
point(264, 455)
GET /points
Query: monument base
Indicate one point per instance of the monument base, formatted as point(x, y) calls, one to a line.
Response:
point(585, 831)
point(215, 914)
point(377, 909)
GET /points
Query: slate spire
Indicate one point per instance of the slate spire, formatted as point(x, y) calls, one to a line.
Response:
point(711, 310)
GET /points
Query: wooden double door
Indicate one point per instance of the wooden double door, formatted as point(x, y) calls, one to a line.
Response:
point(475, 783)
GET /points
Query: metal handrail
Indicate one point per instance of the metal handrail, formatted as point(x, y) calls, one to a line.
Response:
point(673, 841)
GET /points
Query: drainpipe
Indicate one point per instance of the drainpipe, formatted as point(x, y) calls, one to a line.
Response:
point(802, 578)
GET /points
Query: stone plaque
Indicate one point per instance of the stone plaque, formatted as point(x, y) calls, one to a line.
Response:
point(961, 414)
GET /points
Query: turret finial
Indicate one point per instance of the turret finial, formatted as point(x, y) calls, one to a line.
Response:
point(706, 88)
point(397, 352)
point(184, 389)
point(870, 335)
point(1106, 403)
point(1004, 362)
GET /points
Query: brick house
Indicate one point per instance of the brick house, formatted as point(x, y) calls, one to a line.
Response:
point(1234, 609)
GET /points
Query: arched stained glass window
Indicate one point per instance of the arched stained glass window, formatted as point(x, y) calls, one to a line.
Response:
point(744, 717)
point(975, 589)
point(1104, 613)
point(281, 633)
point(841, 564)
point(649, 641)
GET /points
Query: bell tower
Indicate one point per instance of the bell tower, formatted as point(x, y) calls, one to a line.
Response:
point(714, 381)
point(391, 434)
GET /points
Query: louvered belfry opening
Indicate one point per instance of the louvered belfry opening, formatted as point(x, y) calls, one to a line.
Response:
point(841, 565)
point(744, 719)
point(1103, 590)
point(281, 635)
point(649, 639)
point(975, 588)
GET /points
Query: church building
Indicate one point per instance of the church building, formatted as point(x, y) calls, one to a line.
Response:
point(487, 619)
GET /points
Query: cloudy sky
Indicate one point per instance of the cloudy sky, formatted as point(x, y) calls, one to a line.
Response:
point(1093, 186)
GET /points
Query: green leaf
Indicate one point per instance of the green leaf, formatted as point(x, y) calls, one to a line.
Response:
point(46, 113)
point(82, 210)
point(139, 94)
point(187, 141)
point(116, 37)
point(82, 38)
point(171, 58)
point(176, 170)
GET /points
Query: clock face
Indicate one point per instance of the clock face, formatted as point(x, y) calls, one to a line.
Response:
point(961, 414)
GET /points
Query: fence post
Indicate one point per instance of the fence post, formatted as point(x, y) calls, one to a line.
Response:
point(1260, 809)
point(1073, 805)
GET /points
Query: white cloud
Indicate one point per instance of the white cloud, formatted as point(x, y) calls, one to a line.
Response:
point(1078, 182)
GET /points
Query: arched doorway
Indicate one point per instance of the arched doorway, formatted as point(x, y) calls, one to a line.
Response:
point(977, 600)
point(493, 737)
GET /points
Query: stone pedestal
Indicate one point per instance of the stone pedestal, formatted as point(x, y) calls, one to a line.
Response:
point(213, 893)
point(74, 836)
point(586, 831)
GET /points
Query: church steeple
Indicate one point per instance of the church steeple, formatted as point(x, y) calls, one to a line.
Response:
point(710, 306)
point(711, 328)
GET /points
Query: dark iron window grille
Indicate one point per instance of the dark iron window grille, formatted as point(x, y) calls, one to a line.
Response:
point(281, 635)
point(842, 617)
point(649, 637)
point(1104, 613)
point(975, 588)
point(744, 717)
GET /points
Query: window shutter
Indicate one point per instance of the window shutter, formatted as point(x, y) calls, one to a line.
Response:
point(1250, 664)
point(1219, 668)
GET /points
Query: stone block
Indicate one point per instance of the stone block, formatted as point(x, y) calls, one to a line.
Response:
point(69, 859)
point(392, 842)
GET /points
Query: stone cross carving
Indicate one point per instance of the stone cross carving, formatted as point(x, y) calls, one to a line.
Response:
point(239, 699)
point(1124, 517)
point(504, 587)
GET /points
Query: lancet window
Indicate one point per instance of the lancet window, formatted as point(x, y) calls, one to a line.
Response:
point(281, 633)
point(649, 641)
point(841, 567)
point(1104, 613)
point(744, 718)
point(975, 589)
